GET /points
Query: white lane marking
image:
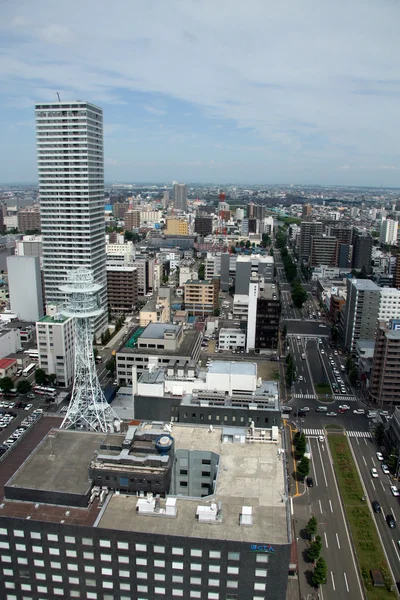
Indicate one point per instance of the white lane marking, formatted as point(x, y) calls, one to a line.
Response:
point(330, 504)
point(372, 483)
point(363, 457)
point(333, 582)
point(383, 487)
point(393, 513)
point(314, 469)
point(337, 539)
point(326, 540)
point(320, 505)
point(365, 462)
point(345, 580)
point(373, 462)
point(365, 441)
point(395, 547)
point(322, 465)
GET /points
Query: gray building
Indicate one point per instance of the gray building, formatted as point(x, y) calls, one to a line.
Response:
point(180, 196)
point(362, 251)
point(308, 230)
point(156, 345)
point(361, 312)
point(230, 539)
point(25, 287)
point(247, 266)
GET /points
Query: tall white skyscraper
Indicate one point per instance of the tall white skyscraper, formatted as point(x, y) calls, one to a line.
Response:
point(180, 196)
point(388, 232)
point(69, 137)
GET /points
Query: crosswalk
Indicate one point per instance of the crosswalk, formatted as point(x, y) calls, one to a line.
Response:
point(345, 398)
point(318, 432)
point(364, 434)
point(305, 396)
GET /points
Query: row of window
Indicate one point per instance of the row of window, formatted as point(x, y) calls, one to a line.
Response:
point(144, 589)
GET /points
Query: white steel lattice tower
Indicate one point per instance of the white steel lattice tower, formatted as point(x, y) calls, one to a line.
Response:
point(88, 408)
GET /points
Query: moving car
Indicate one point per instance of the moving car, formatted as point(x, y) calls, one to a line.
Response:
point(359, 411)
point(345, 406)
point(385, 469)
point(304, 409)
point(321, 438)
point(310, 482)
point(301, 378)
point(331, 414)
point(321, 409)
point(379, 455)
point(394, 490)
point(374, 473)
point(376, 506)
point(390, 521)
point(31, 396)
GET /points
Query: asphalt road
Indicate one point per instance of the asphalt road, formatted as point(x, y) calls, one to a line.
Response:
point(379, 489)
point(325, 504)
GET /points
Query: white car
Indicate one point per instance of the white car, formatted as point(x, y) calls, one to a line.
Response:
point(335, 352)
point(345, 406)
point(322, 351)
point(301, 378)
point(374, 473)
point(379, 455)
point(321, 438)
point(385, 469)
point(28, 406)
point(394, 490)
point(304, 409)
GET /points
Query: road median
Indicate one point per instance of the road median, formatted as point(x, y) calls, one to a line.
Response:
point(368, 549)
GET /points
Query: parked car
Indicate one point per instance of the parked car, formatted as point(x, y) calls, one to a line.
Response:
point(376, 506)
point(31, 396)
point(385, 469)
point(379, 455)
point(374, 473)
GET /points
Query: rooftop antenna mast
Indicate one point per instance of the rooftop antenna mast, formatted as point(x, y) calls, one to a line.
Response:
point(58, 95)
point(88, 408)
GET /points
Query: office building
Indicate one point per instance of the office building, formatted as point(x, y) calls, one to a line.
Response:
point(71, 189)
point(30, 245)
point(306, 210)
point(122, 288)
point(389, 305)
point(248, 266)
point(150, 218)
point(362, 250)
point(324, 251)
point(29, 218)
point(132, 219)
point(177, 227)
point(203, 225)
point(25, 287)
point(201, 297)
point(119, 209)
point(384, 389)
point(267, 319)
point(308, 230)
point(146, 531)
point(165, 199)
point(231, 339)
point(156, 345)
point(396, 281)
point(55, 341)
point(361, 312)
point(388, 232)
point(180, 196)
point(253, 292)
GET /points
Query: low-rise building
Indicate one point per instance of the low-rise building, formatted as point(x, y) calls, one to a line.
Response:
point(231, 339)
point(8, 367)
point(156, 344)
point(177, 227)
point(201, 297)
point(156, 310)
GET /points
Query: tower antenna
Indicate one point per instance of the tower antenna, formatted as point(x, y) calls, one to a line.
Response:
point(88, 408)
point(58, 96)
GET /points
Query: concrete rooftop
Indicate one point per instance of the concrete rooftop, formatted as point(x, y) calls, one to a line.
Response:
point(248, 475)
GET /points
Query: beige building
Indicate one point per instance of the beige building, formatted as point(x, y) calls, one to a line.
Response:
point(177, 227)
point(157, 310)
point(132, 219)
point(201, 297)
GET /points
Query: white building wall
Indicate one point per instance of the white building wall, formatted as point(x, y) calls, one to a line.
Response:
point(389, 306)
point(55, 341)
point(10, 342)
point(25, 287)
point(252, 315)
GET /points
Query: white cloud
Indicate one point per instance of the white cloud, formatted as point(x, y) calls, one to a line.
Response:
point(345, 167)
point(112, 162)
point(155, 111)
point(388, 168)
point(56, 34)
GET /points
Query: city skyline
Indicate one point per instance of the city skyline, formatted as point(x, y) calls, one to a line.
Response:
point(195, 92)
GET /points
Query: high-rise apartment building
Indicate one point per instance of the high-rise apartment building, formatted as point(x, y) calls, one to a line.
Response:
point(25, 287)
point(388, 232)
point(71, 189)
point(308, 230)
point(132, 219)
point(324, 251)
point(384, 386)
point(396, 281)
point(29, 218)
point(361, 312)
point(122, 288)
point(119, 209)
point(203, 225)
point(180, 196)
point(201, 297)
point(306, 210)
point(55, 339)
point(362, 250)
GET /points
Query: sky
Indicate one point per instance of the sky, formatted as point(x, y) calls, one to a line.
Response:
point(254, 91)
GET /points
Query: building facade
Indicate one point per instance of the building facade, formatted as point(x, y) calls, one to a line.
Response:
point(201, 297)
point(29, 218)
point(362, 251)
point(388, 232)
point(122, 289)
point(231, 339)
point(71, 189)
point(308, 230)
point(361, 312)
point(177, 227)
point(25, 287)
point(55, 340)
point(203, 225)
point(324, 251)
point(180, 196)
point(267, 319)
point(132, 219)
point(384, 389)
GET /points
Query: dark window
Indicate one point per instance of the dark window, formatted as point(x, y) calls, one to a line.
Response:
point(183, 472)
point(206, 461)
point(205, 473)
point(183, 483)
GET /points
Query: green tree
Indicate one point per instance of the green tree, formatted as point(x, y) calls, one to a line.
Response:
point(52, 378)
point(95, 353)
point(300, 444)
point(6, 384)
point(393, 459)
point(315, 549)
point(40, 377)
point(311, 527)
point(320, 571)
point(248, 244)
point(303, 467)
point(165, 279)
point(299, 295)
point(379, 434)
point(353, 376)
point(201, 272)
point(23, 386)
point(110, 366)
point(217, 312)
